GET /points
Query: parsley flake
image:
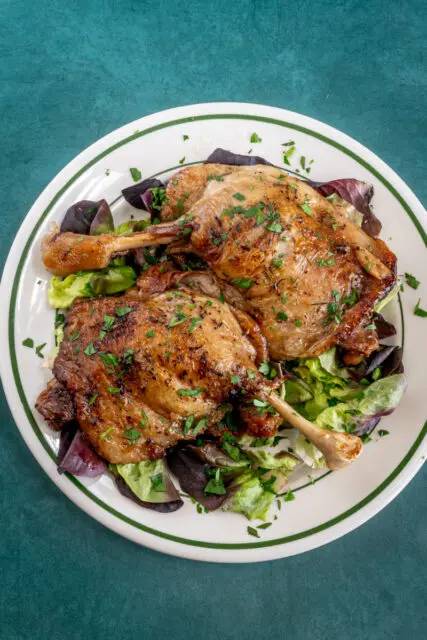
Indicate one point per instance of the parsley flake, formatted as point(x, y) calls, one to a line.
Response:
point(243, 283)
point(135, 173)
point(189, 392)
point(418, 311)
point(123, 311)
point(412, 281)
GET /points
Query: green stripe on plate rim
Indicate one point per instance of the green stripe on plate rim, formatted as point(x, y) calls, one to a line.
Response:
point(14, 362)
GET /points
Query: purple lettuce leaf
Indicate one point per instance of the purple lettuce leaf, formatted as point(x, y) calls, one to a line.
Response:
point(385, 329)
point(191, 472)
point(140, 195)
point(80, 217)
point(357, 193)
point(387, 357)
point(222, 156)
point(103, 221)
point(76, 455)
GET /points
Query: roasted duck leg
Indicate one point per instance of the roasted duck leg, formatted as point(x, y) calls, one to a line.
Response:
point(141, 372)
point(307, 274)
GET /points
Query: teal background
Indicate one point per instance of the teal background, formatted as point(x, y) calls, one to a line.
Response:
point(72, 72)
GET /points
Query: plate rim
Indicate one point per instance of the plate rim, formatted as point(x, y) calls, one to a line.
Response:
point(271, 544)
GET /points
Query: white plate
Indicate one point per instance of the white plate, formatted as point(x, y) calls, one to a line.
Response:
point(155, 145)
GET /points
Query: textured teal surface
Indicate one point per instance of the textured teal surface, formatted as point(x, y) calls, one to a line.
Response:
point(72, 72)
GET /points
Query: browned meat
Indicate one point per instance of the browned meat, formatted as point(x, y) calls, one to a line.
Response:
point(137, 368)
point(56, 405)
point(308, 275)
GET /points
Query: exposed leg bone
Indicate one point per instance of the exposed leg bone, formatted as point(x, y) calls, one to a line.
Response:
point(339, 449)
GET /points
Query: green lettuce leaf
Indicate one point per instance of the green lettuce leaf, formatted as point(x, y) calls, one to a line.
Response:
point(380, 398)
point(308, 453)
point(63, 292)
point(268, 460)
point(352, 213)
point(388, 298)
point(251, 498)
point(131, 226)
point(328, 361)
point(149, 480)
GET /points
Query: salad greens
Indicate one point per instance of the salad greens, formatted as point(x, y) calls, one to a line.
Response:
point(146, 479)
point(87, 284)
point(239, 473)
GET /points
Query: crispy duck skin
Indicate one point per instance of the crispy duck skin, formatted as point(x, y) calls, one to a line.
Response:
point(133, 390)
point(307, 275)
point(142, 372)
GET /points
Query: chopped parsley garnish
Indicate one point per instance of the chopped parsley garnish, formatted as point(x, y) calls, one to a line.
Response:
point(150, 334)
point(383, 432)
point(376, 374)
point(105, 433)
point(221, 297)
point(184, 137)
point(189, 392)
point(326, 263)
point(199, 426)
point(264, 368)
point(239, 196)
point(305, 208)
point(75, 336)
point(28, 342)
point(182, 160)
point(276, 263)
point(39, 349)
point(251, 374)
point(281, 315)
point(243, 283)
point(276, 227)
point(265, 525)
point(213, 176)
point(122, 311)
point(229, 446)
point(93, 398)
point(418, 311)
point(188, 424)
point(302, 162)
point(113, 390)
point(136, 174)
point(109, 359)
point(255, 138)
point(253, 532)
point(235, 379)
point(215, 485)
point(288, 154)
point(132, 435)
point(412, 281)
point(289, 496)
point(108, 323)
point(298, 322)
point(128, 356)
point(194, 322)
point(159, 197)
point(177, 319)
point(290, 143)
point(157, 481)
point(76, 350)
point(90, 349)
